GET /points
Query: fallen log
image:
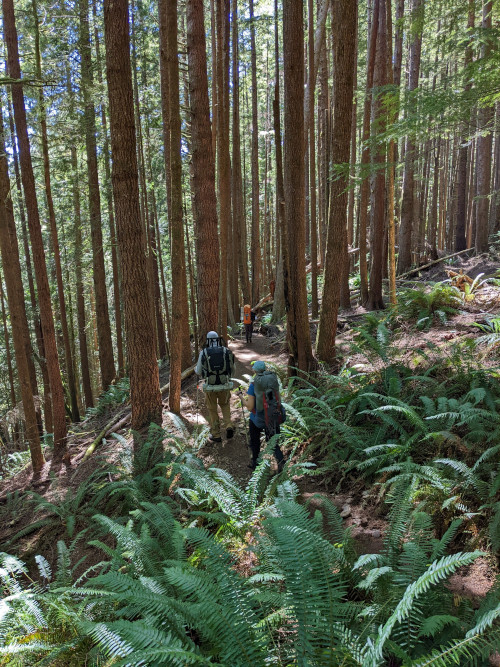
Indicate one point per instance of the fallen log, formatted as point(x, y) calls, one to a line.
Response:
point(435, 261)
point(184, 375)
point(109, 428)
point(119, 420)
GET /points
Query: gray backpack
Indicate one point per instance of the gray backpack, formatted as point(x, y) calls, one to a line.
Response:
point(268, 400)
point(262, 383)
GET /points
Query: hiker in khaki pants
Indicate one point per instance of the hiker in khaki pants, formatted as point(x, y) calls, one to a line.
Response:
point(216, 365)
point(221, 398)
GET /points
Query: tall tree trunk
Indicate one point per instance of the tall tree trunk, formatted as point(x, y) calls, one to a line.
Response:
point(255, 244)
point(316, 45)
point(165, 101)
point(281, 303)
point(408, 217)
point(433, 214)
point(49, 337)
point(213, 45)
point(313, 68)
point(106, 360)
point(75, 412)
point(344, 39)
point(8, 355)
point(223, 158)
point(203, 173)
point(15, 295)
point(179, 289)
point(37, 325)
point(365, 157)
point(484, 147)
point(298, 334)
point(391, 166)
point(375, 300)
point(239, 217)
point(111, 214)
point(80, 296)
point(144, 378)
point(324, 147)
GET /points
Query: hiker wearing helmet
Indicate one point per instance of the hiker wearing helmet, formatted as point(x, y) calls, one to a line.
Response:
point(266, 412)
point(248, 320)
point(216, 365)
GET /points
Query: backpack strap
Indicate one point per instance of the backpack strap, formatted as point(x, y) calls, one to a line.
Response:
point(205, 365)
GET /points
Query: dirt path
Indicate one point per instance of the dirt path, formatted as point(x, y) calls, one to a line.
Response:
point(231, 455)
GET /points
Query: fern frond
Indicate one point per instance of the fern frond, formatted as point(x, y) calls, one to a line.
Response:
point(436, 572)
point(461, 651)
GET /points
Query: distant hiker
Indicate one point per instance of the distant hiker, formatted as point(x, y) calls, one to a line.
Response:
point(248, 320)
point(272, 287)
point(266, 412)
point(216, 366)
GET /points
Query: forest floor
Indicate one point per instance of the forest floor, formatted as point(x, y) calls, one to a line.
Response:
point(361, 509)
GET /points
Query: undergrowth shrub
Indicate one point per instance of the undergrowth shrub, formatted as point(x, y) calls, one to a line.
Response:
point(426, 307)
point(116, 395)
point(171, 593)
point(438, 423)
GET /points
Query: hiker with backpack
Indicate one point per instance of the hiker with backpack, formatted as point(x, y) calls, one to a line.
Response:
point(248, 320)
point(216, 366)
point(266, 412)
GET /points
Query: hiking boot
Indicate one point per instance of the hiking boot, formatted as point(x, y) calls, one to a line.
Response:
point(212, 438)
point(229, 433)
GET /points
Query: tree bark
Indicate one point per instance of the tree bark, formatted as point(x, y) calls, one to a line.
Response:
point(281, 304)
point(68, 359)
point(139, 326)
point(365, 158)
point(8, 354)
point(203, 173)
point(344, 18)
point(408, 211)
point(239, 217)
point(484, 148)
point(309, 101)
point(37, 326)
point(106, 359)
point(49, 338)
point(15, 295)
point(223, 156)
point(255, 237)
point(179, 306)
point(111, 214)
point(298, 334)
point(80, 295)
point(375, 300)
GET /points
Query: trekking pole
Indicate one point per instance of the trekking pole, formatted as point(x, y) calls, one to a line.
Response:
point(240, 394)
point(197, 411)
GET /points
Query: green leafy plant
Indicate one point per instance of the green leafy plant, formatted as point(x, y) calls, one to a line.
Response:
point(428, 306)
point(373, 335)
point(173, 595)
point(116, 395)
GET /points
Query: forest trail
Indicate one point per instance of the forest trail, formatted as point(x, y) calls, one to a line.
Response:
point(231, 455)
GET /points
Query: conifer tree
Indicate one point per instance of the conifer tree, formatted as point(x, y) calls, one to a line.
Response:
point(15, 296)
point(139, 326)
point(344, 39)
point(204, 200)
point(35, 230)
point(298, 334)
point(106, 359)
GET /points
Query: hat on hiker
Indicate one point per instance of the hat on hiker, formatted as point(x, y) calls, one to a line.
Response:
point(259, 366)
point(213, 339)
